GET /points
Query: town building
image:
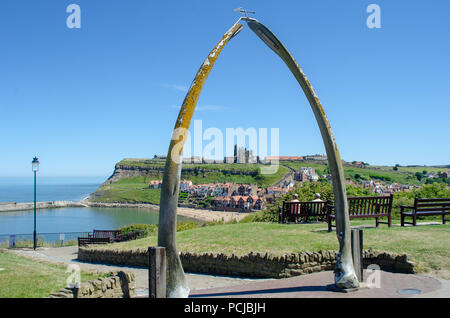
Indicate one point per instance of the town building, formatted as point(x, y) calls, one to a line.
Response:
point(306, 174)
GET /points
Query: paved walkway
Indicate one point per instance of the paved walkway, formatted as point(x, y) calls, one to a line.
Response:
point(68, 255)
point(392, 285)
point(305, 286)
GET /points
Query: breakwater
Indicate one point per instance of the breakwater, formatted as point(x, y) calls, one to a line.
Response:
point(13, 206)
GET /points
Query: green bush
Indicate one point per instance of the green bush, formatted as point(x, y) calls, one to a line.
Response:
point(152, 229)
point(147, 229)
point(188, 225)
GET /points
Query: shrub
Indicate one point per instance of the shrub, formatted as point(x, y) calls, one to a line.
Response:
point(152, 229)
point(147, 229)
point(188, 225)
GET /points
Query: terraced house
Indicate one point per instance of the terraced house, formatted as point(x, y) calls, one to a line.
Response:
point(237, 202)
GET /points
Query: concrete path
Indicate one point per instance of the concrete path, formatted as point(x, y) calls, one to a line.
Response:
point(68, 255)
point(392, 285)
point(305, 286)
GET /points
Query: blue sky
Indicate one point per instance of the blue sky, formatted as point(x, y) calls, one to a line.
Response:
point(83, 99)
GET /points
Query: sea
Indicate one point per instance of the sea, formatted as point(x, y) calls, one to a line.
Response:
point(52, 224)
point(21, 189)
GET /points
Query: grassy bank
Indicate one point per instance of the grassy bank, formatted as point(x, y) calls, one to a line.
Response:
point(428, 245)
point(22, 277)
point(209, 173)
point(128, 190)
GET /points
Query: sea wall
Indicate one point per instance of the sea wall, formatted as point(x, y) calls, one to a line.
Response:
point(13, 206)
point(118, 285)
point(250, 265)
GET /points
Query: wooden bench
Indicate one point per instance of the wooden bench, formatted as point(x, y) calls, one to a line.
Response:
point(425, 207)
point(292, 212)
point(365, 207)
point(101, 237)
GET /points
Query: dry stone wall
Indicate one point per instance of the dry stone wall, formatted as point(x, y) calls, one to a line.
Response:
point(251, 265)
point(118, 285)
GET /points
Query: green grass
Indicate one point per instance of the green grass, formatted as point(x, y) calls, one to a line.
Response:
point(27, 278)
point(128, 190)
point(428, 245)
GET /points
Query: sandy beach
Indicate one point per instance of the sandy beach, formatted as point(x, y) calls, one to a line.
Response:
point(210, 215)
point(202, 215)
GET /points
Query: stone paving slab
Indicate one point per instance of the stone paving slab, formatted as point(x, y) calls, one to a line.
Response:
point(304, 286)
point(315, 286)
point(68, 255)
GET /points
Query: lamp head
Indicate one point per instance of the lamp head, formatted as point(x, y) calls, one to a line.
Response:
point(35, 164)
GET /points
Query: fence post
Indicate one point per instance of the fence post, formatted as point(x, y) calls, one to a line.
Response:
point(61, 238)
point(157, 272)
point(357, 252)
point(12, 240)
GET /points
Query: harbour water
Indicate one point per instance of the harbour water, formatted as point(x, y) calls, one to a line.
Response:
point(64, 220)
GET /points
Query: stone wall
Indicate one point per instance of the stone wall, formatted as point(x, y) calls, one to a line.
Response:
point(118, 285)
point(251, 265)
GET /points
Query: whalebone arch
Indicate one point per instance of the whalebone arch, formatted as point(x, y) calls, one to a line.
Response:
point(345, 276)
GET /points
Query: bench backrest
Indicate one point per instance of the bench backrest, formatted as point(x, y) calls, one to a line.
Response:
point(432, 205)
point(370, 205)
point(89, 240)
point(305, 208)
point(106, 233)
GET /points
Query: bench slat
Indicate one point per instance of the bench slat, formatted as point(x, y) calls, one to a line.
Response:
point(443, 205)
point(433, 209)
point(426, 207)
point(432, 200)
point(101, 237)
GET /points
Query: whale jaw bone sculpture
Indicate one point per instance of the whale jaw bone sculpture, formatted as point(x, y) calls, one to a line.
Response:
point(177, 287)
point(345, 276)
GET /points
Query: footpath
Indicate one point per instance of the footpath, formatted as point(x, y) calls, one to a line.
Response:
point(68, 255)
point(392, 285)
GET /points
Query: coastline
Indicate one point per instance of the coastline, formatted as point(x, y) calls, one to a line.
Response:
point(202, 215)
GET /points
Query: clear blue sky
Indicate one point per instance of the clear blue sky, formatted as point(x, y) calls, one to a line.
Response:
point(83, 99)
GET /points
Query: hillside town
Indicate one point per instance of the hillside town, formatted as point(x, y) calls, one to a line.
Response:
point(230, 196)
point(245, 197)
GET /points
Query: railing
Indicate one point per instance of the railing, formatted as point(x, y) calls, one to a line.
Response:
point(43, 239)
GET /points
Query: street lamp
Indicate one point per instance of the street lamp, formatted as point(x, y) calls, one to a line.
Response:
point(35, 168)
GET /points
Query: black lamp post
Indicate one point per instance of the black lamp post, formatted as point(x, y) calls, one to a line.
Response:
point(35, 168)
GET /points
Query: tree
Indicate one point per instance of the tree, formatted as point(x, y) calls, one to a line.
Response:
point(419, 175)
